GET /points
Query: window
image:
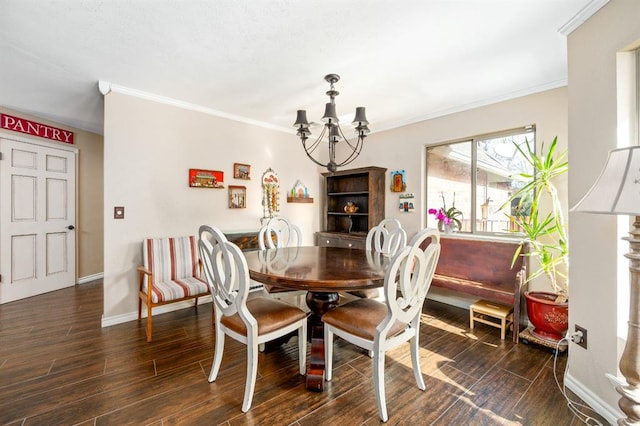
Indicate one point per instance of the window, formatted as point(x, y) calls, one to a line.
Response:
point(477, 176)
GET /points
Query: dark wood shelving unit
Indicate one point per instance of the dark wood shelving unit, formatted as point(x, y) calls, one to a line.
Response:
point(365, 187)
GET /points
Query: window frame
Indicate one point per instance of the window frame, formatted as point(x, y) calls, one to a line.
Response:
point(529, 129)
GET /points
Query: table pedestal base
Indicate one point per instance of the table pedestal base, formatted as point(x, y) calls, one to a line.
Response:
point(319, 303)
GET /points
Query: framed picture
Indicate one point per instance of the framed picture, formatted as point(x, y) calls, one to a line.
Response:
point(241, 171)
point(237, 197)
point(398, 181)
point(199, 178)
point(407, 202)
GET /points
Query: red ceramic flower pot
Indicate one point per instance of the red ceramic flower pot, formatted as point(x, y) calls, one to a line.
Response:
point(550, 319)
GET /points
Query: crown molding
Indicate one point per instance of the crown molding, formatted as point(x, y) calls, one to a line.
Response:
point(481, 103)
point(105, 87)
point(585, 13)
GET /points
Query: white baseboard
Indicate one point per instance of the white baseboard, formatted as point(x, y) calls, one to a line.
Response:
point(611, 414)
point(450, 298)
point(90, 278)
point(133, 316)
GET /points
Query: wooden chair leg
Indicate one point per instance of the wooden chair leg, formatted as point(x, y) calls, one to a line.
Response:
point(148, 323)
point(328, 353)
point(378, 379)
point(217, 353)
point(302, 349)
point(471, 318)
point(415, 360)
point(252, 373)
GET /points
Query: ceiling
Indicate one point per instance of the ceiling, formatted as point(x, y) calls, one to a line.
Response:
point(260, 61)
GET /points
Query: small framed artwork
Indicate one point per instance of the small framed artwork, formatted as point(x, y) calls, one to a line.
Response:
point(237, 197)
point(299, 194)
point(407, 202)
point(398, 181)
point(199, 178)
point(241, 171)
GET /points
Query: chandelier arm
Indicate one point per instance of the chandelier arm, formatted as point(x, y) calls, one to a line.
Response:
point(313, 147)
point(316, 161)
point(315, 144)
point(344, 138)
point(355, 150)
point(355, 153)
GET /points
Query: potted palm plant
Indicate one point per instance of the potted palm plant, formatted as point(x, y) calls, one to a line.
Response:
point(545, 237)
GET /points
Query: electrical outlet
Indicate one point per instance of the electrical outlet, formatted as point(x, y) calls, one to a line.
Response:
point(583, 341)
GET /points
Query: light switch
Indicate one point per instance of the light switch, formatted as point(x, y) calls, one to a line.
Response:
point(118, 212)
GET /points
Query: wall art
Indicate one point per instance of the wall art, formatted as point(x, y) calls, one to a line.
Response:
point(200, 178)
point(237, 197)
point(241, 171)
point(299, 194)
point(398, 181)
point(270, 194)
point(407, 202)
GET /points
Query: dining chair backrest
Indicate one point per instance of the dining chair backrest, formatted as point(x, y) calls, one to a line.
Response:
point(380, 327)
point(240, 317)
point(225, 269)
point(387, 237)
point(279, 232)
point(408, 278)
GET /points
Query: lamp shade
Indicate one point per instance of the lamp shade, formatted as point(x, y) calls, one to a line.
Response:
point(301, 119)
point(330, 113)
point(617, 189)
point(360, 117)
point(334, 134)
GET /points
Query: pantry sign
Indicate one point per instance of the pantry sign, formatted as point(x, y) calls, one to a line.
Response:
point(21, 125)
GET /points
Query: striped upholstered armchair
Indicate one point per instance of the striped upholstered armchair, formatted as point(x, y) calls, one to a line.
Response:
point(170, 273)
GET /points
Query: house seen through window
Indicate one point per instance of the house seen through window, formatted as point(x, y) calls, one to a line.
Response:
point(477, 176)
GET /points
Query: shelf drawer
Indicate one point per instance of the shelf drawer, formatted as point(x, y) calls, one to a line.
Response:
point(356, 244)
point(324, 240)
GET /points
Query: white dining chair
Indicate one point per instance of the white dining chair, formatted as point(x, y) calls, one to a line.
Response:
point(387, 237)
point(280, 232)
point(251, 321)
point(381, 326)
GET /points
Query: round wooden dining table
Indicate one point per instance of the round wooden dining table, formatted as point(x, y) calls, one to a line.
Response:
point(322, 272)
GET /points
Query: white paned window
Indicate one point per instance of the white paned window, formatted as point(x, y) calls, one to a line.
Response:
point(477, 176)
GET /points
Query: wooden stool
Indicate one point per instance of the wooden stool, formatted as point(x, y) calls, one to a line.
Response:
point(483, 310)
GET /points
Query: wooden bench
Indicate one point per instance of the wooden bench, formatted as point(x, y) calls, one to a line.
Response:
point(482, 268)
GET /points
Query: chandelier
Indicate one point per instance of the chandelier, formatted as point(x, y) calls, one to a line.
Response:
point(332, 130)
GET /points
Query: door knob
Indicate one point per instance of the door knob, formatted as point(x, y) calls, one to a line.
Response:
point(71, 227)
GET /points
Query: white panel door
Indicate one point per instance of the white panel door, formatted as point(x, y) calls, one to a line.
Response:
point(37, 219)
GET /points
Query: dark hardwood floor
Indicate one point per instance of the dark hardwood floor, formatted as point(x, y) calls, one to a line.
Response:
point(59, 367)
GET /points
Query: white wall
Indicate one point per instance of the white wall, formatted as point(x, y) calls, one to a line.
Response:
point(593, 118)
point(404, 148)
point(149, 148)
